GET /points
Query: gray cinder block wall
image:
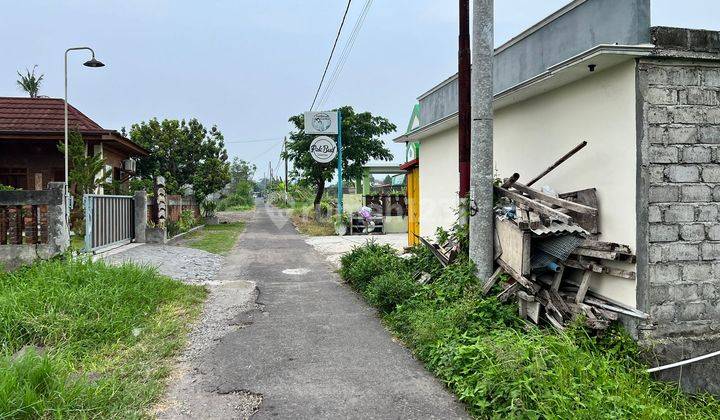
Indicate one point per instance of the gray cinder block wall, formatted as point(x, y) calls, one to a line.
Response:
point(679, 191)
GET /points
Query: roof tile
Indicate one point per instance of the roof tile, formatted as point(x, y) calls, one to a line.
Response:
point(42, 115)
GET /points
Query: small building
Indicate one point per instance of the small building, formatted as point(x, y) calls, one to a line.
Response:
point(647, 101)
point(30, 130)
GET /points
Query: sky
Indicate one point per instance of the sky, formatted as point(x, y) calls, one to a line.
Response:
point(248, 65)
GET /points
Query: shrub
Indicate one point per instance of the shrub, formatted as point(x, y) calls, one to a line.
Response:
point(186, 222)
point(389, 290)
point(363, 264)
point(500, 366)
point(240, 199)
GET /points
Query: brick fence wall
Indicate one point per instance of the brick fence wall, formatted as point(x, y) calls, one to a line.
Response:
point(680, 156)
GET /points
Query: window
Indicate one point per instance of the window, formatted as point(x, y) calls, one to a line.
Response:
point(14, 177)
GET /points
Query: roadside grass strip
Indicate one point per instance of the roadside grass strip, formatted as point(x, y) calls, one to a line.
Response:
point(502, 367)
point(83, 339)
point(218, 239)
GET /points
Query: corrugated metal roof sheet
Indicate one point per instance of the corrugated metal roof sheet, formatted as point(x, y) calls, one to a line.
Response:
point(559, 227)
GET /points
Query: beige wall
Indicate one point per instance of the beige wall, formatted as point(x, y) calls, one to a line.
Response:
point(601, 110)
point(439, 181)
point(532, 134)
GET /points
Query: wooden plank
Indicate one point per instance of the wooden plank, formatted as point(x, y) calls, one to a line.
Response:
point(587, 197)
point(558, 162)
point(625, 311)
point(509, 291)
point(557, 279)
point(597, 268)
point(605, 255)
point(522, 218)
point(539, 207)
point(524, 282)
point(606, 246)
point(584, 285)
point(512, 241)
point(527, 252)
point(539, 195)
point(554, 322)
point(535, 222)
point(558, 301)
point(491, 281)
point(510, 181)
point(496, 245)
point(440, 257)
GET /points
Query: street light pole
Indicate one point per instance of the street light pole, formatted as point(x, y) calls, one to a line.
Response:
point(481, 149)
point(90, 63)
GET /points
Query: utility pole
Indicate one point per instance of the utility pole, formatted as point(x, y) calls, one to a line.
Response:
point(464, 118)
point(271, 173)
point(286, 167)
point(481, 150)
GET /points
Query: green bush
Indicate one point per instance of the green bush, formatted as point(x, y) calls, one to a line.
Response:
point(389, 290)
point(502, 367)
point(240, 199)
point(360, 266)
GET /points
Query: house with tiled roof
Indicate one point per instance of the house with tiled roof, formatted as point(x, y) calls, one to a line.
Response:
point(30, 130)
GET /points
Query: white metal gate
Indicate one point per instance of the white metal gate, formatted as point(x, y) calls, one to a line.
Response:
point(109, 220)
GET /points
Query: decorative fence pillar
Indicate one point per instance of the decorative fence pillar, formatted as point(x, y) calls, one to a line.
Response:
point(161, 200)
point(158, 233)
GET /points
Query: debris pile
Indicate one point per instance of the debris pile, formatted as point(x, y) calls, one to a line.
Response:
point(541, 234)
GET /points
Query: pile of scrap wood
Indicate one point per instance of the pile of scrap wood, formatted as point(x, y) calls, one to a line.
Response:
point(540, 234)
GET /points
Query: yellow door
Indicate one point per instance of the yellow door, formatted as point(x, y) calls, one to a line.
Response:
point(413, 193)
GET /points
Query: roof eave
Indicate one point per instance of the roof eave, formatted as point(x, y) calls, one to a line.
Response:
point(630, 51)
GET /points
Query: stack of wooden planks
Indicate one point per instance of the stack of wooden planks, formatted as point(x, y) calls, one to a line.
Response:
point(558, 296)
point(558, 299)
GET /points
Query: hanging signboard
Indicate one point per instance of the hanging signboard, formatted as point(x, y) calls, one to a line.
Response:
point(321, 122)
point(323, 149)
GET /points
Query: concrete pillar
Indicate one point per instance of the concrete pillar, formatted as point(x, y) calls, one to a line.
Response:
point(58, 230)
point(140, 199)
point(158, 233)
point(367, 182)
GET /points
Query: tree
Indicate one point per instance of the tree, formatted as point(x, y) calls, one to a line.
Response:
point(85, 175)
point(29, 82)
point(241, 170)
point(361, 143)
point(185, 153)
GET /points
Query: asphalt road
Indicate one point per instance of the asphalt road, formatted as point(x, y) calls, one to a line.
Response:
point(311, 348)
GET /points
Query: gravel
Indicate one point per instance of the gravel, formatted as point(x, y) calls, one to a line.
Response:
point(188, 265)
point(231, 299)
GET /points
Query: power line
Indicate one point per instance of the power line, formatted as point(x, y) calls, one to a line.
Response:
point(322, 79)
point(264, 152)
point(347, 49)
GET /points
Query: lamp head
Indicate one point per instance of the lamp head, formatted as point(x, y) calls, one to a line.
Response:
point(93, 63)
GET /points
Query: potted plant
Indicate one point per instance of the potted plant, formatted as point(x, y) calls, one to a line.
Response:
point(341, 221)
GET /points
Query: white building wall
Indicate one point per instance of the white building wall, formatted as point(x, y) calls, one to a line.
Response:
point(599, 109)
point(439, 181)
point(532, 134)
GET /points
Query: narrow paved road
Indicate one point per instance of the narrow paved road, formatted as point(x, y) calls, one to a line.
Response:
point(314, 349)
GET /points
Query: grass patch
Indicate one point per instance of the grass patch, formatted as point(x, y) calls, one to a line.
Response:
point(497, 365)
point(303, 217)
point(312, 227)
point(218, 239)
point(98, 340)
point(77, 242)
